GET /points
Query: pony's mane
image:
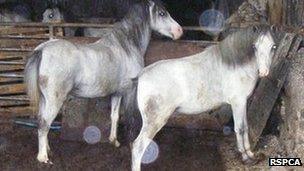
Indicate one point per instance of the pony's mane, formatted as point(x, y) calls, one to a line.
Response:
point(134, 28)
point(140, 10)
point(237, 48)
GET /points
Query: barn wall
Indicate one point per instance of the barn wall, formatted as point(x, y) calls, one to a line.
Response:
point(117, 8)
point(293, 12)
point(80, 8)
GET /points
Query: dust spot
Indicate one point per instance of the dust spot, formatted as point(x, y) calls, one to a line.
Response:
point(153, 109)
point(43, 80)
point(57, 94)
point(151, 105)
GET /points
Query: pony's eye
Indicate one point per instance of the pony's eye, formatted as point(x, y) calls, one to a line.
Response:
point(51, 16)
point(254, 48)
point(162, 13)
point(274, 47)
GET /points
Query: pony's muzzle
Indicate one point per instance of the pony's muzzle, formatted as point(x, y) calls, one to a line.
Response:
point(177, 32)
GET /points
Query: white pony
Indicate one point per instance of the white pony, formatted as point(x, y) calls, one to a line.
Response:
point(104, 68)
point(223, 73)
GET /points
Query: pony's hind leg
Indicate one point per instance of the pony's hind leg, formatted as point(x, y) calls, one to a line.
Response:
point(146, 135)
point(115, 104)
point(153, 121)
point(45, 118)
point(50, 104)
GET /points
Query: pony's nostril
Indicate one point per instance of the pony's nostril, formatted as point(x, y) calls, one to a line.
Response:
point(177, 32)
point(180, 30)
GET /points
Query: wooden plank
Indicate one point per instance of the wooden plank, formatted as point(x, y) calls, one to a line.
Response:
point(12, 89)
point(20, 55)
point(293, 13)
point(14, 98)
point(22, 31)
point(267, 91)
point(10, 58)
point(4, 80)
point(11, 104)
point(275, 11)
point(11, 68)
point(17, 111)
point(20, 43)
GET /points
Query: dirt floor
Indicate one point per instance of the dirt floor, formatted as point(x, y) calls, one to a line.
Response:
point(180, 149)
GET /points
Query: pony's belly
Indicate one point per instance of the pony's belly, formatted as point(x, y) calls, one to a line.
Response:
point(197, 107)
point(94, 90)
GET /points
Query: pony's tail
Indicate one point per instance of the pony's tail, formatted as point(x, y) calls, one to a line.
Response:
point(132, 114)
point(31, 73)
point(130, 98)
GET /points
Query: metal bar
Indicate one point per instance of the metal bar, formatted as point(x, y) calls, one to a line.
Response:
point(22, 37)
point(11, 75)
point(11, 63)
point(14, 98)
point(16, 50)
point(197, 28)
point(37, 24)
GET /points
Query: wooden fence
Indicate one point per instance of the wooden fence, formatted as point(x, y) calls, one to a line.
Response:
point(17, 40)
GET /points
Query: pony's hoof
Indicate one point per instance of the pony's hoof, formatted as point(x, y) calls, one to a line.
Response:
point(250, 162)
point(253, 161)
point(44, 159)
point(49, 162)
point(115, 143)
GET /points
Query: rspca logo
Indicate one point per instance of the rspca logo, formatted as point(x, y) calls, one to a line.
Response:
point(285, 162)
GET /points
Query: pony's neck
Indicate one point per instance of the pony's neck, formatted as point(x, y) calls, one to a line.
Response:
point(133, 36)
point(138, 34)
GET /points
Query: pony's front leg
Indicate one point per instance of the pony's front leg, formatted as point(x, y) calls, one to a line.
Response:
point(241, 130)
point(115, 104)
point(255, 158)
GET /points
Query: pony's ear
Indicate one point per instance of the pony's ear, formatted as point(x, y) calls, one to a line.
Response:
point(255, 29)
point(272, 27)
point(151, 3)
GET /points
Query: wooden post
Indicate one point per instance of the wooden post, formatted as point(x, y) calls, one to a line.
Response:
point(275, 11)
point(293, 12)
point(268, 89)
point(51, 31)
